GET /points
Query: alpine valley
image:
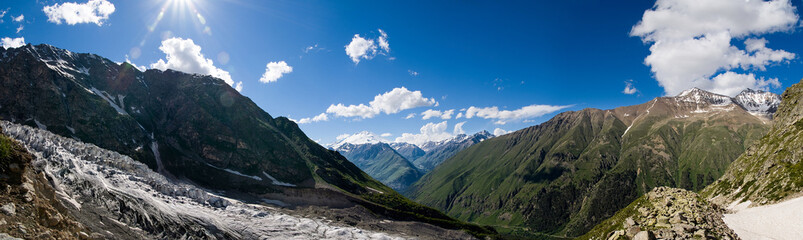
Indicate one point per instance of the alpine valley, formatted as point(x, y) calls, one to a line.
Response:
point(118, 153)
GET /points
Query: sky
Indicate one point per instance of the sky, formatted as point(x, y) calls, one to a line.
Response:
point(416, 71)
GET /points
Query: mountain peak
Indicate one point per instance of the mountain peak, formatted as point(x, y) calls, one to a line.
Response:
point(699, 96)
point(758, 102)
point(364, 137)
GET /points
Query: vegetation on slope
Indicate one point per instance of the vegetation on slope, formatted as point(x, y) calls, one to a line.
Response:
point(566, 175)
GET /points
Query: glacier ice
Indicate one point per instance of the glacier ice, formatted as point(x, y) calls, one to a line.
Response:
point(128, 193)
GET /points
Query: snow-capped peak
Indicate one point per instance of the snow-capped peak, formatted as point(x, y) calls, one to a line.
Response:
point(758, 102)
point(364, 137)
point(696, 95)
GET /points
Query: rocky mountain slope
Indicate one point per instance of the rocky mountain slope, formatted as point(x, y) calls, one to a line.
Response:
point(772, 169)
point(566, 175)
point(188, 127)
point(29, 208)
point(665, 213)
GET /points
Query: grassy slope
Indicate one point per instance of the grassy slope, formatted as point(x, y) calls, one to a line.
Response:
point(771, 170)
point(566, 175)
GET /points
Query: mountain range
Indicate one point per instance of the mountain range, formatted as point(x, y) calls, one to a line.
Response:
point(566, 175)
point(400, 164)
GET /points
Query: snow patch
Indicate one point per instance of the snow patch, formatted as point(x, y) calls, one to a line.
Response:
point(277, 182)
point(235, 172)
point(777, 221)
point(109, 100)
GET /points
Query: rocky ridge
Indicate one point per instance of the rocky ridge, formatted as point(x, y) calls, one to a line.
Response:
point(665, 213)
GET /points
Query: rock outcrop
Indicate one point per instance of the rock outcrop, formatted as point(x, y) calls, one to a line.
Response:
point(665, 213)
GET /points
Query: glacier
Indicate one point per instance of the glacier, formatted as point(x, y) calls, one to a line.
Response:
point(124, 199)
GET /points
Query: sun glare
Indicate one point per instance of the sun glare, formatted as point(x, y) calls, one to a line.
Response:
point(180, 12)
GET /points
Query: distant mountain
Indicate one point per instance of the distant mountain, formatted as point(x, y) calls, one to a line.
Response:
point(408, 150)
point(381, 162)
point(758, 102)
point(190, 127)
point(437, 152)
point(567, 174)
point(400, 164)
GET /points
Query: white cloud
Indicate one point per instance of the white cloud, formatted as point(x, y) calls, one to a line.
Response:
point(274, 71)
point(411, 115)
point(691, 42)
point(458, 128)
point(19, 29)
point(386, 135)
point(8, 42)
point(412, 73)
point(435, 113)
point(93, 11)
point(629, 89)
point(183, 55)
point(2, 14)
point(319, 118)
point(18, 18)
point(500, 132)
point(502, 116)
point(390, 102)
point(429, 132)
point(459, 115)
point(360, 48)
point(383, 41)
point(364, 48)
point(140, 68)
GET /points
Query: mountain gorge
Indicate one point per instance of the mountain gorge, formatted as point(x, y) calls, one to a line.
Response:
point(565, 175)
point(191, 129)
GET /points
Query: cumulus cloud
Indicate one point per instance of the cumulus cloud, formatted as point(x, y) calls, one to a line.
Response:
point(691, 42)
point(319, 118)
point(411, 115)
point(386, 135)
point(390, 102)
point(500, 132)
point(412, 73)
point(93, 11)
point(629, 88)
point(19, 29)
point(184, 55)
point(18, 18)
point(365, 48)
point(458, 128)
point(502, 116)
point(274, 71)
point(435, 113)
point(429, 132)
point(8, 42)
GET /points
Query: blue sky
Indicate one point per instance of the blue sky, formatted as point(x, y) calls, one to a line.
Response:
point(551, 55)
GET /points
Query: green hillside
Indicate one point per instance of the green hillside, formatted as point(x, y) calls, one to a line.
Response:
point(566, 175)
